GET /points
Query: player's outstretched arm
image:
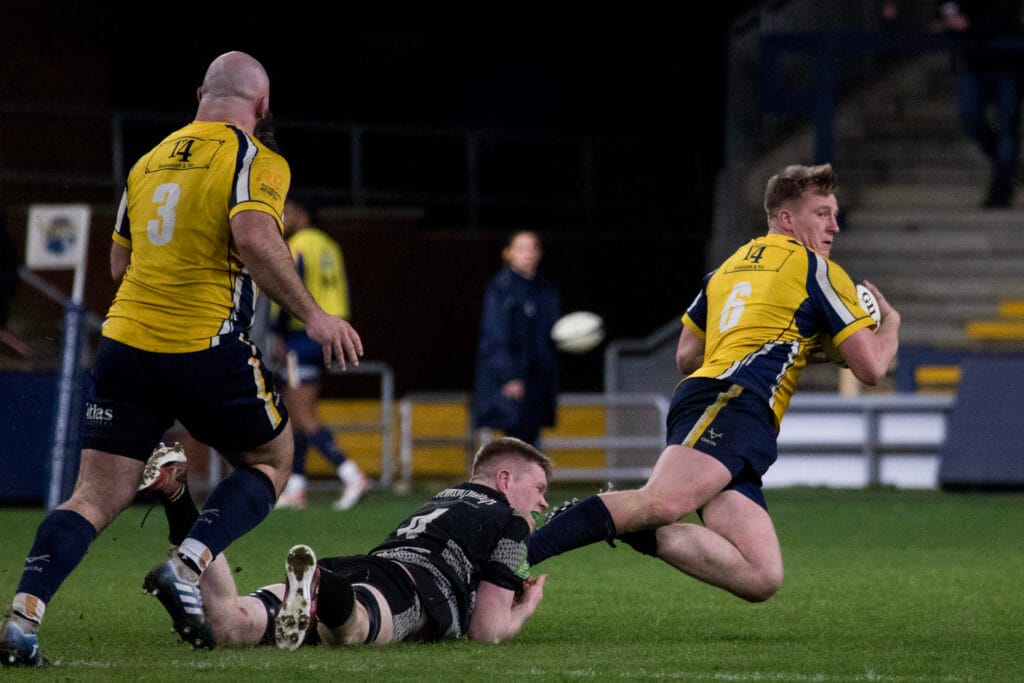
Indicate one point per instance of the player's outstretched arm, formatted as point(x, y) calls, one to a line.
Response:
point(268, 260)
point(499, 614)
point(235, 619)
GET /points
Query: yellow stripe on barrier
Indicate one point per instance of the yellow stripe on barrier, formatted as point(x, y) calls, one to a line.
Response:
point(1012, 309)
point(440, 420)
point(995, 329)
point(936, 376)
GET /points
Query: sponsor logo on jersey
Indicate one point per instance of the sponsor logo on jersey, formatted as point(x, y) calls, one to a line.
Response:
point(463, 493)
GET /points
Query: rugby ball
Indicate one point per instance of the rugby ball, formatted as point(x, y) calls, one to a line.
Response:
point(578, 332)
point(870, 305)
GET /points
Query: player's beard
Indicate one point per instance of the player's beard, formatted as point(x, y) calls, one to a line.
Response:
point(266, 133)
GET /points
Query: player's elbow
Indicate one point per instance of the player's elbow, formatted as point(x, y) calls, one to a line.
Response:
point(869, 379)
point(688, 363)
point(485, 635)
point(870, 373)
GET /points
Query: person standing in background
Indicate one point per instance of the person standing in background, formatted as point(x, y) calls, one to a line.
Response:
point(516, 382)
point(319, 261)
point(988, 81)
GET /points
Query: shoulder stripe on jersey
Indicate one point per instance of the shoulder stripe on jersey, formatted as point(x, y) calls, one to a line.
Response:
point(246, 153)
point(831, 295)
point(121, 225)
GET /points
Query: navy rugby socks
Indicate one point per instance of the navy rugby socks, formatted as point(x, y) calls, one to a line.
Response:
point(181, 513)
point(236, 506)
point(324, 442)
point(582, 524)
point(62, 540)
point(301, 446)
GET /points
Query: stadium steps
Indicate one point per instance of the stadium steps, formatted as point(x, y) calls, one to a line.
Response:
point(911, 187)
point(1007, 327)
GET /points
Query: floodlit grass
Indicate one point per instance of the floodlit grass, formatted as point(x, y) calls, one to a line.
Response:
point(881, 585)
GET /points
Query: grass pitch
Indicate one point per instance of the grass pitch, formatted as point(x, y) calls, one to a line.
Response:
point(881, 585)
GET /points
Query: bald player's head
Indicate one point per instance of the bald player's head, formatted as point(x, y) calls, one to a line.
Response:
point(235, 74)
point(236, 90)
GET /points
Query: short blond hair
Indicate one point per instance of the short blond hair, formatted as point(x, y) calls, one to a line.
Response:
point(793, 181)
point(488, 455)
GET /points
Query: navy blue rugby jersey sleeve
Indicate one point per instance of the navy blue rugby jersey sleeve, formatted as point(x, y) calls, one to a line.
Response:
point(696, 314)
point(507, 566)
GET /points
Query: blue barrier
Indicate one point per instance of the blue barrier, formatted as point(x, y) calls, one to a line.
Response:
point(26, 435)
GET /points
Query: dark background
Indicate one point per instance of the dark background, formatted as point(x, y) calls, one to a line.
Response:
point(652, 73)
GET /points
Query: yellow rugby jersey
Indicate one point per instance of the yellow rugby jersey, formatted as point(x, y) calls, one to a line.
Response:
point(760, 311)
point(321, 265)
point(186, 286)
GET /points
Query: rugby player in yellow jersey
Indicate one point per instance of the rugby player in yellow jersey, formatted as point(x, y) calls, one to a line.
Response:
point(198, 234)
point(321, 265)
point(744, 341)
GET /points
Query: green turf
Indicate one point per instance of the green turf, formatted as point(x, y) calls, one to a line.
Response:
point(881, 585)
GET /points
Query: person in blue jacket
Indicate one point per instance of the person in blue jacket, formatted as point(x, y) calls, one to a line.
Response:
point(516, 383)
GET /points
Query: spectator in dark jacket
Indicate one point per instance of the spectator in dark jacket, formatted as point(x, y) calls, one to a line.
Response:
point(516, 381)
point(988, 65)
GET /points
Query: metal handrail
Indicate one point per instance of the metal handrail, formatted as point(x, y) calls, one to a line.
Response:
point(468, 441)
point(619, 348)
point(577, 194)
point(54, 294)
point(386, 425)
point(408, 440)
point(872, 409)
point(612, 471)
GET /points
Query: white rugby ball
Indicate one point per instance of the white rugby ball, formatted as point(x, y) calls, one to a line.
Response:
point(578, 332)
point(870, 305)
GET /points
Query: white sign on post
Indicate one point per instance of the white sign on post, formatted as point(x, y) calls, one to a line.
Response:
point(58, 236)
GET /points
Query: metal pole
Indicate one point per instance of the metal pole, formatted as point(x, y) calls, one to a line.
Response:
point(70, 362)
point(68, 370)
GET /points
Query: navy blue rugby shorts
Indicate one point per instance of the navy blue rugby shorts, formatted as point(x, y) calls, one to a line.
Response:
point(729, 423)
point(308, 354)
point(224, 396)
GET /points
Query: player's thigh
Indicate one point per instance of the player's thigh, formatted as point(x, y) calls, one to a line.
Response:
point(748, 526)
point(274, 456)
point(683, 479)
